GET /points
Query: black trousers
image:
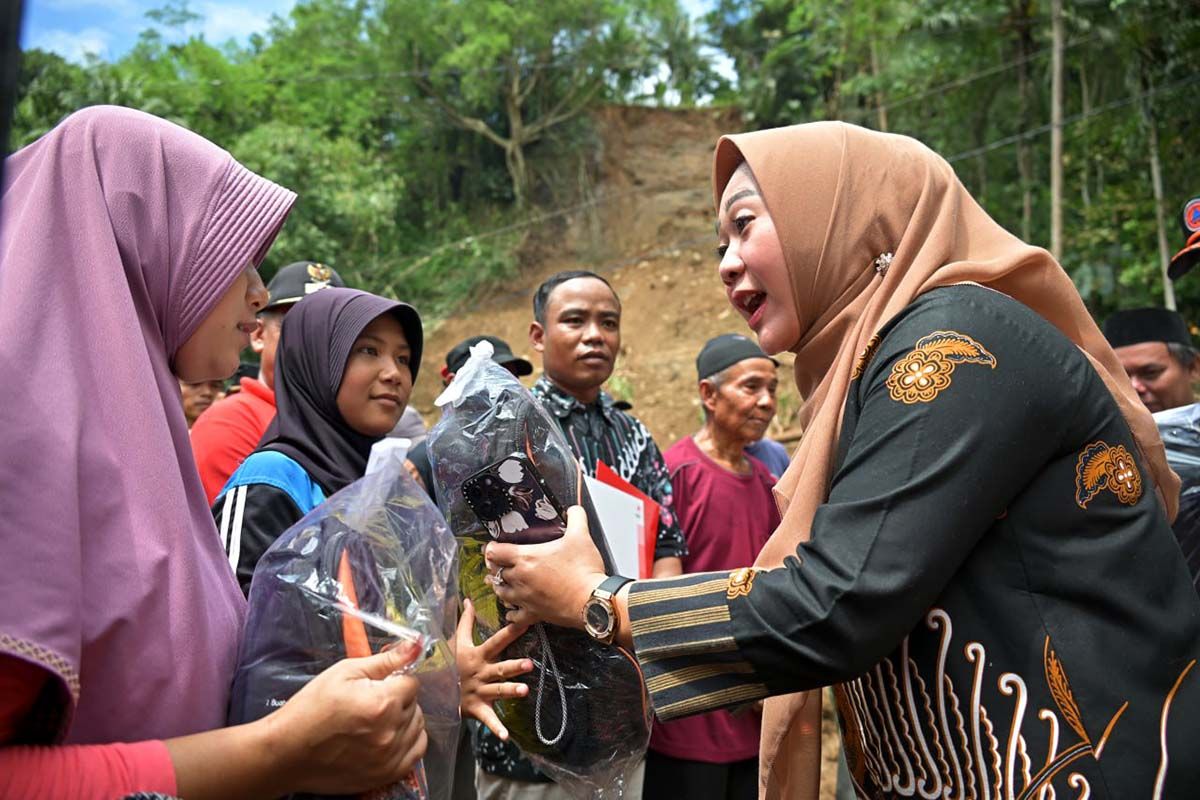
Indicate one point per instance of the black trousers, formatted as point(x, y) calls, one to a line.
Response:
point(674, 778)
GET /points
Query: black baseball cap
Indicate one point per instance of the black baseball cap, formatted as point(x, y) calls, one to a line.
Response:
point(725, 351)
point(294, 282)
point(1186, 258)
point(502, 354)
point(1138, 325)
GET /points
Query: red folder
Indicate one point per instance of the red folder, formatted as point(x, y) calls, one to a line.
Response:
point(606, 474)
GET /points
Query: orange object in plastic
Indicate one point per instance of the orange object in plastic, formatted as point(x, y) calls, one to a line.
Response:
point(354, 633)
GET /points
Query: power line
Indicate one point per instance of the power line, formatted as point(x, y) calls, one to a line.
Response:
point(1097, 111)
point(997, 144)
point(958, 83)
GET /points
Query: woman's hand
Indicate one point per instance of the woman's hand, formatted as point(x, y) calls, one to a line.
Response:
point(480, 680)
point(549, 582)
point(354, 727)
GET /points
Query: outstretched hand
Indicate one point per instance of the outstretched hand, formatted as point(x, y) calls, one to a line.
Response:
point(481, 677)
point(548, 582)
point(354, 727)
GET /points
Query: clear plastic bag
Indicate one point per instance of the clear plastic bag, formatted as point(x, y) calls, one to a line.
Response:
point(1180, 431)
point(372, 567)
point(487, 415)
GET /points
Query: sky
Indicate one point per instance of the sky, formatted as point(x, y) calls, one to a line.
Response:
point(109, 28)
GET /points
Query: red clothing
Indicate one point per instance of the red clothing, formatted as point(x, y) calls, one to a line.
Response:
point(726, 519)
point(70, 772)
point(228, 431)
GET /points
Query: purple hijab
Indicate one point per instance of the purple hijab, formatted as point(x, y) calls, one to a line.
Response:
point(120, 234)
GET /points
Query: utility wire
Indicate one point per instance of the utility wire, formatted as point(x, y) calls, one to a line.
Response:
point(997, 144)
point(1077, 118)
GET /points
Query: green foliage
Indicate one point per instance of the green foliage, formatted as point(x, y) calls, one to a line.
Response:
point(408, 126)
point(359, 105)
point(971, 78)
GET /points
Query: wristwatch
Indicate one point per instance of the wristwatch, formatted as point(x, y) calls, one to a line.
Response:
point(599, 616)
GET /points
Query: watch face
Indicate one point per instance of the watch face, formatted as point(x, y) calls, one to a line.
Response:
point(598, 619)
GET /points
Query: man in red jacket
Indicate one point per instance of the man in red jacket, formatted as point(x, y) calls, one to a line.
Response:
point(229, 430)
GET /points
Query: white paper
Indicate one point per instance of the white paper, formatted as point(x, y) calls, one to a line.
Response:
point(621, 515)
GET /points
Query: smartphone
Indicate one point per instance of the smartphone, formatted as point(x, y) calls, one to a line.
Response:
point(514, 503)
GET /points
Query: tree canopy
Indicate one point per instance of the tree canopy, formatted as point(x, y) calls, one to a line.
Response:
point(412, 126)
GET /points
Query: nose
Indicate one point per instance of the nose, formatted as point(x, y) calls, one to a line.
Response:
point(390, 372)
point(731, 266)
point(1138, 386)
point(592, 333)
point(766, 400)
point(256, 292)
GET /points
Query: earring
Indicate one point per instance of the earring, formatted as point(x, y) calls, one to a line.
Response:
point(882, 262)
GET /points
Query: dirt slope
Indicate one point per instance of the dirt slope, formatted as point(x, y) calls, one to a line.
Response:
point(651, 234)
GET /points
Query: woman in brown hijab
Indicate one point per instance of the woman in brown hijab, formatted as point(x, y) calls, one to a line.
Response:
point(975, 548)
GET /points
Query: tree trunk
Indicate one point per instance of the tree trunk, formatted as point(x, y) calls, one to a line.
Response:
point(883, 120)
point(1085, 100)
point(1024, 154)
point(1056, 142)
point(1164, 252)
point(514, 159)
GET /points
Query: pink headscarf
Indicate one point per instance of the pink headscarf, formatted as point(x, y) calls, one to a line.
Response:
point(119, 234)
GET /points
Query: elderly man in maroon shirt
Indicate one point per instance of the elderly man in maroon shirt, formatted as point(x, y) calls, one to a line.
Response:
point(724, 504)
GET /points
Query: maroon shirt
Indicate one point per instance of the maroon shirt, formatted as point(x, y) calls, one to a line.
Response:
point(726, 519)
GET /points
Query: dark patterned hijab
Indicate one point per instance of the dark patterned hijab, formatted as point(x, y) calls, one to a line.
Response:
point(318, 334)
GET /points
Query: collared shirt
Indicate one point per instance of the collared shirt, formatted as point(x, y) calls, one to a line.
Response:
point(228, 431)
point(601, 432)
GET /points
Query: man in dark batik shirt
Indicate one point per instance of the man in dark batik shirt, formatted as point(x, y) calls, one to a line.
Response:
point(577, 329)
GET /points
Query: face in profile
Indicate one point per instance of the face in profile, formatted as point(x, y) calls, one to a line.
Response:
point(377, 381)
point(581, 337)
point(199, 396)
point(1160, 380)
point(265, 341)
point(743, 404)
point(213, 349)
point(752, 268)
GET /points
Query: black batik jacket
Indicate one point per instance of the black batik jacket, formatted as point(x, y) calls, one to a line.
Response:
point(992, 585)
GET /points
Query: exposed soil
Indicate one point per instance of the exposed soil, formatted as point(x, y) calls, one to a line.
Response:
point(650, 233)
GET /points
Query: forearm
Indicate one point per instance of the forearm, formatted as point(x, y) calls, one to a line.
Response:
point(667, 567)
point(624, 632)
point(250, 762)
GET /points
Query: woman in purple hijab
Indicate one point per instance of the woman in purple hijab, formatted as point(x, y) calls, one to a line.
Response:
point(128, 255)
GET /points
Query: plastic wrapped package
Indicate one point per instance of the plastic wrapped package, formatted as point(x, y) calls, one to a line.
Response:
point(585, 721)
point(373, 567)
point(1180, 431)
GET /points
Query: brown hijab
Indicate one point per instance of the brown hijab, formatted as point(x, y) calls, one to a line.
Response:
point(840, 196)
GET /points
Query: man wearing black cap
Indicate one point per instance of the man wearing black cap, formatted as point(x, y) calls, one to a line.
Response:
point(418, 458)
point(230, 430)
point(724, 504)
point(1156, 350)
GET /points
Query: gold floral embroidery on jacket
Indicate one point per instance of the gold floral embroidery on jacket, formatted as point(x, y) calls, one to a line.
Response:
point(1103, 467)
point(865, 357)
point(924, 373)
point(911, 730)
point(741, 581)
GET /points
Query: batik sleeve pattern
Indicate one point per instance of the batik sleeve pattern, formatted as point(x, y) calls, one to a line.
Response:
point(683, 638)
